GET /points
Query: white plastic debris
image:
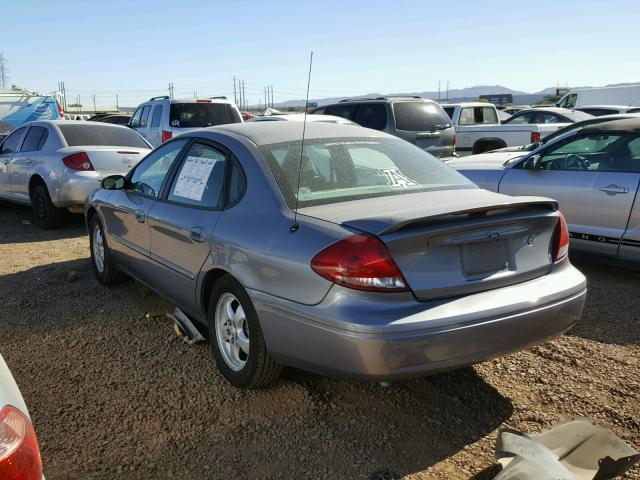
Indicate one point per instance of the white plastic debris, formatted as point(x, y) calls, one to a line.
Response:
point(184, 327)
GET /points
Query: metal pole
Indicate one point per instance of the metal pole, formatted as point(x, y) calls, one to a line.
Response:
point(235, 98)
point(117, 105)
point(94, 103)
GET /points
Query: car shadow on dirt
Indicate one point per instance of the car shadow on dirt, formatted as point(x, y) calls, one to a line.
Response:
point(611, 311)
point(18, 227)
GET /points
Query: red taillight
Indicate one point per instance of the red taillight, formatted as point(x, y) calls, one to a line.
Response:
point(561, 239)
point(203, 100)
point(78, 161)
point(19, 452)
point(361, 262)
point(60, 111)
point(535, 136)
point(166, 136)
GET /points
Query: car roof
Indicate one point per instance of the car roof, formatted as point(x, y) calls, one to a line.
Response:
point(299, 117)
point(467, 104)
point(624, 125)
point(263, 133)
point(612, 107)
point(388, 99)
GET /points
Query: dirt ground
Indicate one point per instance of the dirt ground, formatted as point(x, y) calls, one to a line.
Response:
point(112, 396)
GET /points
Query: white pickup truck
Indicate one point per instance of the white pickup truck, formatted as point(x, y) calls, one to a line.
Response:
point(478, 129)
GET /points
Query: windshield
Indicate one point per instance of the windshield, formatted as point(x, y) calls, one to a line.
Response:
point(105, 135)
point(336, 170)
point(200, 115)
point(420, 116)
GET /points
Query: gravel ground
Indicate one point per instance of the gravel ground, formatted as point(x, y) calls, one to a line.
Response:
point(112, 396)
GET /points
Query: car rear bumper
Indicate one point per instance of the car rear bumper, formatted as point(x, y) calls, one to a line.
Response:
point(339, 337)
point(74, 188)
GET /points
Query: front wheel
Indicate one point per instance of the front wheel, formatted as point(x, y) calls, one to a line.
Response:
point(236, 338)
point(103, 267)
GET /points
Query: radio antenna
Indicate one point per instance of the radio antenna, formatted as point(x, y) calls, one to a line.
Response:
point(295, 225)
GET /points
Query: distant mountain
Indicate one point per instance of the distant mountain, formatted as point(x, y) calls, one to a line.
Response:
point(454, 95)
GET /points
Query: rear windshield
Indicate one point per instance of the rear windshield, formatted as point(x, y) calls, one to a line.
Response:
point(198, 115)
point(420, 116)
point(337, 170)
point(577, 116)
point(106, 135)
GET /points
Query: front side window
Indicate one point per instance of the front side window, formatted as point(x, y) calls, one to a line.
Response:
point(335, 170)
point(135, 120)
point(614, 152)
point(149, 174)
point(569, 101)
point(144, 116)
point(36, 136)
point(11, 143)
point(200, 180)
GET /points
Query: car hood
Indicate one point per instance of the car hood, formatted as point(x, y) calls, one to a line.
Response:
point(485, 161)
point(389, 213)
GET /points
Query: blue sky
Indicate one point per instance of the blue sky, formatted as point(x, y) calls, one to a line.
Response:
point(136, 48)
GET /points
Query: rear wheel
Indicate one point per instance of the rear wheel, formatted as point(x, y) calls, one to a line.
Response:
point(236, 338)
point(45, 214)
point(103, 266)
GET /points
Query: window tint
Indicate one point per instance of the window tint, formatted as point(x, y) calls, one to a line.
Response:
point(336, 170)
point(372, 115)
point(198, 115)
point(36, 136)
point(449, 111)
point(107, 135)
point(157, 115)
point(237, 183)
point(597, 112)
point(633, 110)
point(420, 116)
point(597, 152)
point(543, 117)
point(12, 141)
point(200, 179)
point(144, 117)
point(341, 110)
point(135, 120)
point(149, 174)
point(319, 111)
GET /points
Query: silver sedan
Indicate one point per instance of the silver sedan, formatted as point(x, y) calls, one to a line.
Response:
point(362, 256)
point(54, 165)
point(593, 173)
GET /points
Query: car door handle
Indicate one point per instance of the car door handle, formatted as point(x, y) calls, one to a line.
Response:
point(614, 189)
point(140, 216)
point(198, 234)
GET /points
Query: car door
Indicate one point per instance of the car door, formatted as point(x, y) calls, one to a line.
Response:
point(23, 161)
point(591, 178)
point(182, 223)
point(127, 209)
point(10, 146)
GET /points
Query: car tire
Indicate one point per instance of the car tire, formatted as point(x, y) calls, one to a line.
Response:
point(103, 267)
point(231, 336)
point(45, 214)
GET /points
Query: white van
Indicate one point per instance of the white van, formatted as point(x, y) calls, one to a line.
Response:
point(162, 118)
point(627, 95)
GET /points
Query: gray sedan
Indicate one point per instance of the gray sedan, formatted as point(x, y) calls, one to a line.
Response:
point(362, 256)
point(593, 173)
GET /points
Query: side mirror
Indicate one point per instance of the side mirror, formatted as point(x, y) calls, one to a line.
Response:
point(113, 182)
point(532, 163)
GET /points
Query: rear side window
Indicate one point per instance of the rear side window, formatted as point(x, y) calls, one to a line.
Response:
point(36, 136)
point(156, 116)
point(201, 178)
point(519, 119)
point(371, 115)
point(341, 110)
point(597, 112)
point(420, 116)
point(633, 110)
point(144, 117)
point(104, 135)
point(11, 143)
point(200, 115)
point(449, 111)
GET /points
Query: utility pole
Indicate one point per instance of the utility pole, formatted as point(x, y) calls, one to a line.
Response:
point(235, 98)
point(117, 105)
point(171, 90)
point(271, 96)
point(265, 97)
point(438, 90)
point(4, 71)
point(243, 100)
point(94, 103)
point(447, 90)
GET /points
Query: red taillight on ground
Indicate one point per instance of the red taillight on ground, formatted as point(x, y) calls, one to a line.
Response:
point(535, 136)
point(78, 161)
point(361, 262)
point(19, 452)
point(166, 136)
point(561, 239)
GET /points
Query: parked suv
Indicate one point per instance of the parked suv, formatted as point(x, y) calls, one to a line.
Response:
point(417, 120)
point(162, 118)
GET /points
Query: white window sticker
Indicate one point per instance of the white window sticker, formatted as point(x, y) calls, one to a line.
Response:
point(397, 179)
point(193, 177)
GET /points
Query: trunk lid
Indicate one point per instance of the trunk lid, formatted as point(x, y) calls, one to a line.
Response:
point(445, 248)
point(110, 159)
